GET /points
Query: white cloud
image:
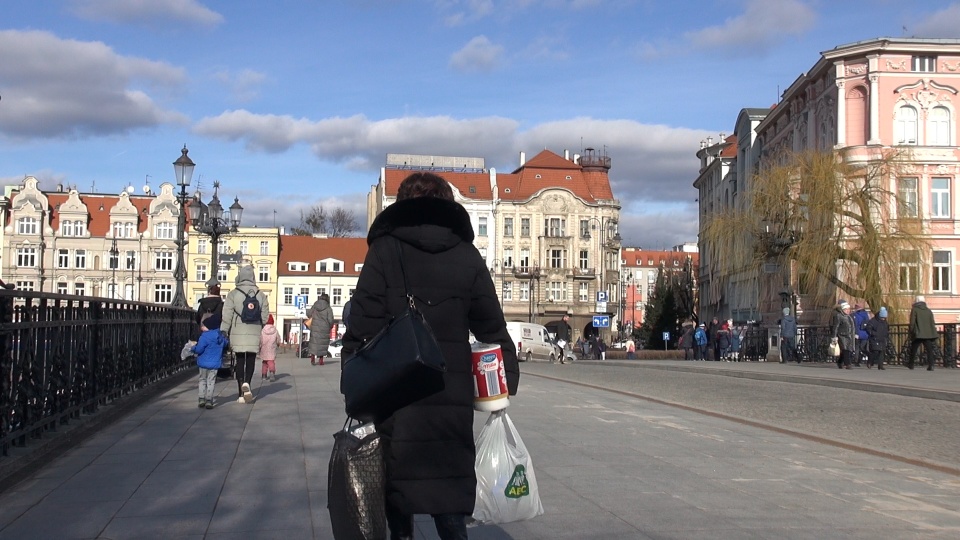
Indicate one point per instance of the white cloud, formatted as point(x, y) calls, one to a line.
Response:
point(55, 87)
point(652, 165)
point(244, 85)
point(147, 11)
point(480, 54)
point(942, 24)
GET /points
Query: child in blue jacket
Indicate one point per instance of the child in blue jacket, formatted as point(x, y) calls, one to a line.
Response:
point(209, 351)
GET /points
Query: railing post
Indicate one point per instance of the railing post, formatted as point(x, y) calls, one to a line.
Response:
point(950, 345)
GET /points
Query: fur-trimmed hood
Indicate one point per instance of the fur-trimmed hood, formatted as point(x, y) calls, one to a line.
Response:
point(429, 223)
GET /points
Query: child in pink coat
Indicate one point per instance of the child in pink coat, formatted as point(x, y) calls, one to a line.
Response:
point(269, 340)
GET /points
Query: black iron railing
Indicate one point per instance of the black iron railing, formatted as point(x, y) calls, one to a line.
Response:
point(63, 356)
point(813, 343)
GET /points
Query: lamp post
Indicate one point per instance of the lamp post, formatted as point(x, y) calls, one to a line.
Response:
point(497, 270)
point(607, 239)
point(213, 221)
point(114, 262)
point(183, 171)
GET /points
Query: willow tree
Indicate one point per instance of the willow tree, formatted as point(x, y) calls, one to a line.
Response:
point(836, 216)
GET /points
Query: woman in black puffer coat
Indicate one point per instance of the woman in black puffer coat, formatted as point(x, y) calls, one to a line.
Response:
point(429, 445)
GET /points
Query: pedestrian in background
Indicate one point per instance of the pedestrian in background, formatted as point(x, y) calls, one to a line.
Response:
point(245, 311)
point(788, 337)
point(208, 305)
point(723, 341)
point(842, 332)
point(428, 446)
point(564, 336)
point(321, 321)
point(700, 337)
point(631, 348)
point(878, 335)
point(269, 341)
point(712, 339)
point(687, 342)
point(861, 314)
point(736, 335)
point(923, 331)
point(209, 351)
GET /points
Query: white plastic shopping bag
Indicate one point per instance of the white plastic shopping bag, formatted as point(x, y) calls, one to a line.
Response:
point(506, 483)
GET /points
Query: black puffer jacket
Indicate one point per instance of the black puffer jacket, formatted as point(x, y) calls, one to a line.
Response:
point(430, 450)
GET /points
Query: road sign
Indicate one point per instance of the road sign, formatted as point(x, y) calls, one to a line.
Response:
point(301, 301)
point(666, 336)
point(601, 321)
point(603, 296)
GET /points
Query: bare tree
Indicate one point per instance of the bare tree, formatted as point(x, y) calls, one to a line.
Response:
point(339, 223)
point(836, 217)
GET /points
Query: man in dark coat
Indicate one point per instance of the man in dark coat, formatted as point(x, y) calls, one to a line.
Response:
point(878, 335)
point(923, 331)
point(429, 446)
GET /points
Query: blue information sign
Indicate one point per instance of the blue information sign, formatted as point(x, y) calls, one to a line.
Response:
point(301, 301)
point(601, 321)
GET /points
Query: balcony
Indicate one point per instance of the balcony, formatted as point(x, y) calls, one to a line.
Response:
point(585, 274)
point(527, 272)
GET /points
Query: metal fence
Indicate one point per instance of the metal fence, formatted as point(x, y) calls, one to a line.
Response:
point(62, 356)
point(813, 342)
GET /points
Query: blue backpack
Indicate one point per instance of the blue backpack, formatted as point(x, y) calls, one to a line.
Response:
point(700, 337)
point(250, 313)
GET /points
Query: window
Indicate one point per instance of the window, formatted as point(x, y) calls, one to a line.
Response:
point(924, 63)
point(555, 227)
point(508, 227)
point(117, 229)
point(222, 247)
point(297, 267)
point(80, 258)
point(905, 126)
point(305, 291)
point(66, 228)
point(221, 273)
point(508, 257)
point(264, 247)
point(584, 295)
point(584, 259)
point(63, 259)
point(164, 231)
point(114, 260)
point(263, 273)
point(80, 228)
point(907, 198)
point(128, 230)
point(507, 291)
point(288, 296)
point(26, 257)
point(244, 246)
point(62, 287)
point(482, 226)
point(131, 260)
point(558, 258)
point(336, 267)
point(163, 293)
point(163, 260)
point(202, 246)
point(524, 258)
point(940, 198)
point(79, 288)
point(939, 134)
point(556, 291)
point(942, 266)
point(584, 228)
point(27, 225)
point(909, 270)
point(525, 227)
point(201, 272)
point(25, 285)
point(322, 267)
point(524, 290)
point(337, 296)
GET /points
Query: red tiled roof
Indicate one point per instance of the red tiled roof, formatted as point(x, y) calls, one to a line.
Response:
point(543, 171)
point(632, 257)
point(308, 249)
point(99, 220)
point(730, 150)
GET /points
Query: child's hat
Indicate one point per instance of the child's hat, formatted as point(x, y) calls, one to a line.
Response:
point(270, 319)
point(213, 321)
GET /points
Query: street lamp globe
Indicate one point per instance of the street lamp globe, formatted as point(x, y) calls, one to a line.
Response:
point(183, 168)
point(236, 211)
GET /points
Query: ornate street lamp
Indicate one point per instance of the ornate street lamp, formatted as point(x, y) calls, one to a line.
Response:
point(213, 221)
point(114, 262)
point(183, 171)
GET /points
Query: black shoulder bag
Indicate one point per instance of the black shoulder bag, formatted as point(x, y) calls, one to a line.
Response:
point(400, 365)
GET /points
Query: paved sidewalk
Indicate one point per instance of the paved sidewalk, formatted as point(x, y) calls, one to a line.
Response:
point(608, 466)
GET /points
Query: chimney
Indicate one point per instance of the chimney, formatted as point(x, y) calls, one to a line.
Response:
point(566, 155)
point(576, 158)
point(523, 158)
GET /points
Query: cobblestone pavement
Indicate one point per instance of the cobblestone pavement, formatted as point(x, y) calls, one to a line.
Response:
point(610, 460)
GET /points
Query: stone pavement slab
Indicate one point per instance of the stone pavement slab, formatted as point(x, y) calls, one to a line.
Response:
point(608, 466)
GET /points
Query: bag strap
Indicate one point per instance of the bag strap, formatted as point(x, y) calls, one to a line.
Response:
point(406, 287)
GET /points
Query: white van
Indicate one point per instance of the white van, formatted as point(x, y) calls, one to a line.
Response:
point(533, 342)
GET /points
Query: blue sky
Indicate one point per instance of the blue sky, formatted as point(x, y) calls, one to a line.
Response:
point(295, 103)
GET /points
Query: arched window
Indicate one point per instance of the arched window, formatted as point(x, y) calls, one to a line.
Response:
point(857, 117)
point(939, 131)
point(905, 126)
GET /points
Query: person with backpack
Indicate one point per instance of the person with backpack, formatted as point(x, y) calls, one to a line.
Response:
point(245, 311)
point(321, 321)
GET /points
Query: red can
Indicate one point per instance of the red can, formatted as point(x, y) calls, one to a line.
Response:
point(489, 378)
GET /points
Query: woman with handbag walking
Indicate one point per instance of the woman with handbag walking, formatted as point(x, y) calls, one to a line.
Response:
point(843, 333)
point(428, 446)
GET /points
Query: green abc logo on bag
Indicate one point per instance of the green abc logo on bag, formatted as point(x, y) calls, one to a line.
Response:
point(518, 486)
